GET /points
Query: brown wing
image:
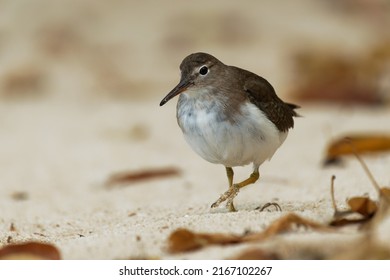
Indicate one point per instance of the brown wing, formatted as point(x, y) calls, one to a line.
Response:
point(261, 93)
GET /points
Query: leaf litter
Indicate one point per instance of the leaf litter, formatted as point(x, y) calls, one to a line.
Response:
point(30, 251)
point(362, 211)
point(131, 177)
point(356, 144)
point(184, 240)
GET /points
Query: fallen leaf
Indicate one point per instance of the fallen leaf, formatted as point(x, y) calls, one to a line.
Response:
point(130, 177)
point(30, 251)
point(184, 240)
point(384, 196)
point(367, 208)
point(340, 222)
point(363, 205)
point(283, 225)
point(359, 144)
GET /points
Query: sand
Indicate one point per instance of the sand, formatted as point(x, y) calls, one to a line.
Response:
point(89, 78)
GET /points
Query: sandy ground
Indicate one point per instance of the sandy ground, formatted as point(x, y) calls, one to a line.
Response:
point(80, 88)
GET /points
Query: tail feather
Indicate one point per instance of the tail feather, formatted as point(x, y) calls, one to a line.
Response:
point(293, 107)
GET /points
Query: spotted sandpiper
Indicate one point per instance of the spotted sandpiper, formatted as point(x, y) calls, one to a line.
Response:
point(229, 116)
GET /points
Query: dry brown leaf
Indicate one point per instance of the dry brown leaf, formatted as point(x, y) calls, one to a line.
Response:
point(373, 215)
point(352, 144)
point(285, 224)
point(340, 222)
point(363, 205)
point(130, 177)
point(183, 240)
point(256, 254)
point(384, 196)
point(30, 251)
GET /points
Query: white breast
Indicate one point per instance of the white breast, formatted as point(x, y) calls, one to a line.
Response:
point(250, 138)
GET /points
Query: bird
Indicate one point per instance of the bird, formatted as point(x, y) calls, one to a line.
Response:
point(229, 116)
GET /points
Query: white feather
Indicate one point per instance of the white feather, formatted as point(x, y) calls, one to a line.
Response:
point(251, 138)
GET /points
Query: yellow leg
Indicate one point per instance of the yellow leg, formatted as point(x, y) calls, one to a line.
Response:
point(233, 190)
point(230, 174)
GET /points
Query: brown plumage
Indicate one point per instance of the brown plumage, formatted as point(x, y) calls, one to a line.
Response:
point(230, 116)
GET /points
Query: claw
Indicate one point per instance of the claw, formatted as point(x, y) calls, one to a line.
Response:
point(229, 195)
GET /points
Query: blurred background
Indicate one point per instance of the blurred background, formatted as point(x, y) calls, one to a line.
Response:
point(84, 50)
point(80, 81)
point(80, 87)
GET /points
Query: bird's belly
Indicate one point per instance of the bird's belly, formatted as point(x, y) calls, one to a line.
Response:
point(248, 138)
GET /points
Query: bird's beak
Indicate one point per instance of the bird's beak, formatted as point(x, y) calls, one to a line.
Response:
point(182, 86)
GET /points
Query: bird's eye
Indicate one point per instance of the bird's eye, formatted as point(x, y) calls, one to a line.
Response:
point(203, 70)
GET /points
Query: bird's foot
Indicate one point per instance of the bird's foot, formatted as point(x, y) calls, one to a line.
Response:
point(265, 206)
point(228, 196)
